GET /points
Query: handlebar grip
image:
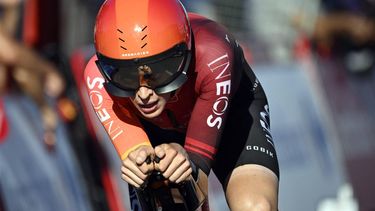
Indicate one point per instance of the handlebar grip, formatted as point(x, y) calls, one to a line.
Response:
point(158, 191)
point(148, 160)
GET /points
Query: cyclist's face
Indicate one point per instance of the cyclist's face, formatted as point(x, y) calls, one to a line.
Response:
point(149, 103)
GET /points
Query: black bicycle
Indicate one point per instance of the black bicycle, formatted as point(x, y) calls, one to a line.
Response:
point(158, 194)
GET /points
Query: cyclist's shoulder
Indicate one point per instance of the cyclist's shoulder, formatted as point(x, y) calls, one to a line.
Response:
point(211, 39)
point(91, 70)
point(208, 32)
point(200, 21)
point(90, 65)
point(214, 50)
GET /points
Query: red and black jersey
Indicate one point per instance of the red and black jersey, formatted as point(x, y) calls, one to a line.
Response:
point(198, 109)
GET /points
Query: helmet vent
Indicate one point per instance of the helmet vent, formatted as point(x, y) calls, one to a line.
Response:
point(122, 40)
point(144, 37)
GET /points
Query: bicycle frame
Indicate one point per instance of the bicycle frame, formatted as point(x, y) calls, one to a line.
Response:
point(159, 194)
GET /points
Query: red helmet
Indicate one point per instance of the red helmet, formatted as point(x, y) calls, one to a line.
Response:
point(142, 43)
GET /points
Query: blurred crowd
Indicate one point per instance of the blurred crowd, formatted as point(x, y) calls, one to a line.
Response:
point(44, 44)
point(280, 31)
point(23, 69)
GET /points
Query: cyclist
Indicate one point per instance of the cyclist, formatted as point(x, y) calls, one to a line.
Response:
point(175, 86)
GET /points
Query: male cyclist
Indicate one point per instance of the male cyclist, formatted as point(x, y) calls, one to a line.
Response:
point(175, 87)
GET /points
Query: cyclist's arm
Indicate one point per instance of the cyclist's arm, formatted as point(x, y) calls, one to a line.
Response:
point(216, 86)
point(121, 124)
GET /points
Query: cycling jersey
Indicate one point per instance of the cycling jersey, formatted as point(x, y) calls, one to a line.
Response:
point(220, 84)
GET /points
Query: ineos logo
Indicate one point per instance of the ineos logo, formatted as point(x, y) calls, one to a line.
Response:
point(96, 99)
point(221, 104)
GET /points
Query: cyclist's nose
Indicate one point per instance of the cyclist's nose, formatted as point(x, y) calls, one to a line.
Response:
point(144, 93)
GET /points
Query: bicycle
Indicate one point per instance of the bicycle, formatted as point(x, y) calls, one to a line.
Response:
point(158, 194)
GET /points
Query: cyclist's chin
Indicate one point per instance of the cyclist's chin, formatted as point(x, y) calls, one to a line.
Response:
point(152, 113)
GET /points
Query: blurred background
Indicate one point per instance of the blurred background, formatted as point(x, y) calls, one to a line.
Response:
point(315, 59)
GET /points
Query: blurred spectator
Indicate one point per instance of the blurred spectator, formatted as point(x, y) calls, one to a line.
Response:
point(30, 73)
point(229, 13)
point(343, 29)
point(357, 28)
point(346, 30)
point(78, 23)
point(273, 27)
point(9, 15)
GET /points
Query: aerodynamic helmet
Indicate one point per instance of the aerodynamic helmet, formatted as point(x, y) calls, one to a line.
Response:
point(142, 43)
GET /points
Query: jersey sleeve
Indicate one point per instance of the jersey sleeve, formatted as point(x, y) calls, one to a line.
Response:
point(118, 119)
point(216, 83)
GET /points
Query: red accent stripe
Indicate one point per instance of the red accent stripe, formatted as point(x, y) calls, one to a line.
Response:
point(198, 151)
point(201, 145)
point(3, 123)
point(111, 189)
point(31, 22)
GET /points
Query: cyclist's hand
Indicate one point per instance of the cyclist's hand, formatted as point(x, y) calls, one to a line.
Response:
point(137, 167)
point(174, 162)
